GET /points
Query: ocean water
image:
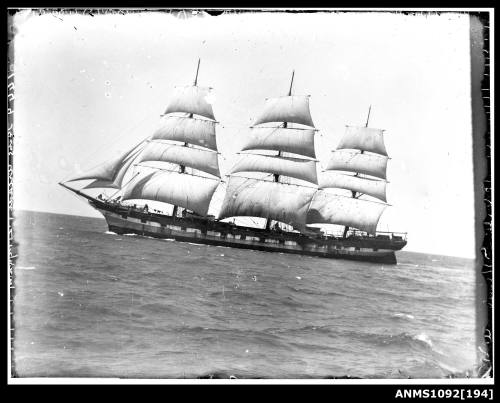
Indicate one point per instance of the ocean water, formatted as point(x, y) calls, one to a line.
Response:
point(90, 303)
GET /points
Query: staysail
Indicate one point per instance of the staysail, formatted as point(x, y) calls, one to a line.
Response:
point(275, 200)
point(110, 173)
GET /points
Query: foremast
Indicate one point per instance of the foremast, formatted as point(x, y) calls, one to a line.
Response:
point(276, 177)
point(182, 168)
point(185, 138)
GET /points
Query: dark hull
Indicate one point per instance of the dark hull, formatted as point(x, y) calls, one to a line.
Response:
point(201, 230)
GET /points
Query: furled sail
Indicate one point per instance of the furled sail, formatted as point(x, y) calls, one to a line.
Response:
point(272, 200)
point(352, 161)
point(293, 167)
point(202, 160)
point(292, 109)
point(200, 132)
point(371, 187)
point(327, 208)
point(191, 99)
point(188, 191)
point(297, 141)
point(363, 138)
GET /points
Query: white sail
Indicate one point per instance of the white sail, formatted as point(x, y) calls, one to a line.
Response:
point(105, 171)
point(202, 160)
point(118, 178)
point(188, 191)
point(363, 138)
point(352, 161)
point(327, 208)
point(293, 167)
point(101, 184)
point(191, 99)
point(200, 132)
point(297, 141)
point(118, 181)
point(292, 108)
point(371, 187)
point(271, 200)
point(108, 170)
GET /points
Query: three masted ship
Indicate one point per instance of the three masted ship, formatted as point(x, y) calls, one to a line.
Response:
point(275, 179)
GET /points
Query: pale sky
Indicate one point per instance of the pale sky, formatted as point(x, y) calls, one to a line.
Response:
point(89, 88)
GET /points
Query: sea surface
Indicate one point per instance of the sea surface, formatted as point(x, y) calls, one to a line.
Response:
point(90, 303)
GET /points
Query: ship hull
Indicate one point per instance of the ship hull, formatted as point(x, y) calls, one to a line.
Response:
point(200, 230)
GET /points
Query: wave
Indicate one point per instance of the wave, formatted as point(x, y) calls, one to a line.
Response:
point(290, 302)
point(111, 233)
point(25, 267)
point(320, 293)
point(405, 340)
point(403, 315)
point(407, 264)
point(424, 338)
point(449, 368)
point(308, 328)
point(261, 337)
point(131, 234)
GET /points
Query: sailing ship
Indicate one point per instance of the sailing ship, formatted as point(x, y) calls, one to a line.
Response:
point(275, 179)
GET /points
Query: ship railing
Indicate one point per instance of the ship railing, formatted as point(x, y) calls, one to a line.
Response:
point(363, 234)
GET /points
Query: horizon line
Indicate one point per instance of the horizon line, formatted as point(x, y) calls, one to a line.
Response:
point(102, 218)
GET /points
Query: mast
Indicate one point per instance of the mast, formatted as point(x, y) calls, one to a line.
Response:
point(275, 200)
point(353, 193)
point(285, 125)
point(183, 167)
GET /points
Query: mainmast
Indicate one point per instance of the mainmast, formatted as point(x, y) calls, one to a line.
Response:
point(275, 199)
point(285, 125)
point(354, 193)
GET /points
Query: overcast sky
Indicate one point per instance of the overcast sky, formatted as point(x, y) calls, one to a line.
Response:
point(88, 88)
